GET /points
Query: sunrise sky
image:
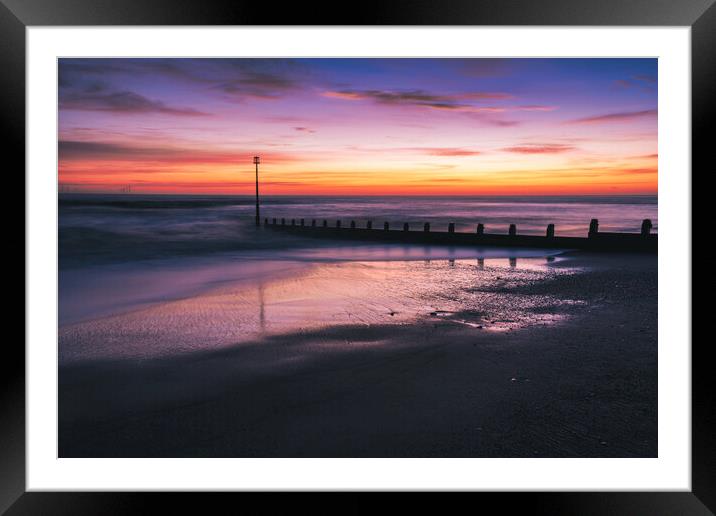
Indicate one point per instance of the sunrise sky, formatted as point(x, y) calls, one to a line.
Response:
point(359, 126)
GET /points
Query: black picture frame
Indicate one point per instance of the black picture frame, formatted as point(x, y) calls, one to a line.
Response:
point(17, 15)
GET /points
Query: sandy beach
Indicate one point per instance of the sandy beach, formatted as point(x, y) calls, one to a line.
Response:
point(526, 357)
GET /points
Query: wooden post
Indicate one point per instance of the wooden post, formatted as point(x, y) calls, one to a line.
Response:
point(274, 222)
point(325, 223)
point(257, 160)
point(283, 222)
point(513, 230)
point(293, 222)
point(369, 224)
point(303, 222)
point(338, 223)
point(451, 227)
point(313, 223)
point(593, 228)
point(646, 227)
point(426, 227)
point(353, 224)
point(386, 226)
point(550, 230)
point(480, 229)
point(265, 222)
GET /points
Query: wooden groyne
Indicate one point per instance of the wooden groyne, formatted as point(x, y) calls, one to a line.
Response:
point(645, 241)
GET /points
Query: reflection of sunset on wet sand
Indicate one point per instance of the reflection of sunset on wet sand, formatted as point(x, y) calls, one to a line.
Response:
point(483, 295)
point(315, 366)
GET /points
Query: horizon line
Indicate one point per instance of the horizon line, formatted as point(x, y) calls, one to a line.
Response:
point(134, 194)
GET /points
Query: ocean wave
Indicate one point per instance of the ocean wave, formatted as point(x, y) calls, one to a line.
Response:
point(101, 229)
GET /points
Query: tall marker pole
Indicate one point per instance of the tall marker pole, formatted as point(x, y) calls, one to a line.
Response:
point(257, 160)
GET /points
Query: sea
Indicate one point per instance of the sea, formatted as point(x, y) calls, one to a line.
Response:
point(118, 251)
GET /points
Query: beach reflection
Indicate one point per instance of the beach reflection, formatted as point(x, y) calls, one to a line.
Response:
point(262, 315)
point(486, 296)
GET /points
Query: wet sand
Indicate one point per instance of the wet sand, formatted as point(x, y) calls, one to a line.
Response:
point(385, 359)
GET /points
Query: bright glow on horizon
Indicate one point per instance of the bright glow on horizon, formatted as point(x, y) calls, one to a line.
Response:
point(359, 126)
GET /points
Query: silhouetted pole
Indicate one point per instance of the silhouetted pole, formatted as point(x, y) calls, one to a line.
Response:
point(593, 228)
point(257, 160)
point(550, 230)
point(480, 229)
point(513, 230)
point(646, 227)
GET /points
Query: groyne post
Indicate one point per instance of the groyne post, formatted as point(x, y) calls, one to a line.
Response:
point(257, 160)
point(593, 228)
point(646, 227)
point(550, 230)
point(629, 241)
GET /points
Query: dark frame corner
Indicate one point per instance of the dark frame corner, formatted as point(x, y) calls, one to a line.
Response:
point(17, 15)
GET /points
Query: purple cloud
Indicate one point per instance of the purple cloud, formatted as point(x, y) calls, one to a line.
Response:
point(120, 102)
point(625, 116)
point(539, 148)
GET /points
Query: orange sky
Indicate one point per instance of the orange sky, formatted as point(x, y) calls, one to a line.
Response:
point(342, 126)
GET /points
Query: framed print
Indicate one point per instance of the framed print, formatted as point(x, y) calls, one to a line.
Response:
point(421, 249)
